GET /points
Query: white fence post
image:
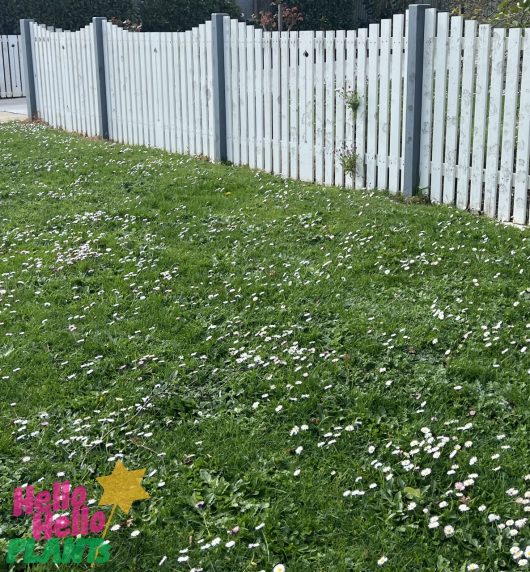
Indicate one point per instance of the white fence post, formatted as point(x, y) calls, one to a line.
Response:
point(414, 91)
point(27, 59)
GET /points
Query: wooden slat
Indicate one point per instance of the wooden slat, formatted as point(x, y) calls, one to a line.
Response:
point(453, 98)
point(307, 102)
point(190, 99)
point(396, 103)
point(209, 93)
point(511, 100)
point(294, 105)
point(136, 97)
point(116, 75)
point(329, 94)
point(494, 122)
point(14, 62)
point(143, 58)
point(82, 101)
point(466, 114)
point(276, 104)
point(340, 106)
point(522, 164)
point(384, 105)
point(440, 91)
point(4, 64)
point(205, 144)
point(129, 86)
point(236, 110)
point(243, 103)
point(284, 102)
point(319, 106)
point(259, 74)
point(122, 83)
point(371, 129)
point(251, 97)
point(480, 117)
point(178, 99)
point(183, 84)
point(6, 75)
point(404, 106)
point(351, 48)
point(227, 26)
point(267, 103)
point(360, 123)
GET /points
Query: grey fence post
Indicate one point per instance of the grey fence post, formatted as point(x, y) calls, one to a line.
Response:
point(413, 101)
point(220, 150)
point(100, 77)
point(27, 62)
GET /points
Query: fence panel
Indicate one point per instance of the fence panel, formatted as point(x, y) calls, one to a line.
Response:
point(287, 101)
point(11, 76)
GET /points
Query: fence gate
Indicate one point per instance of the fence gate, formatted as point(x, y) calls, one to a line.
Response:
point(11, 76)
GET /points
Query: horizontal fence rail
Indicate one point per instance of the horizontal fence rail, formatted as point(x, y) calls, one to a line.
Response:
point(11, 74)
point(278, 101)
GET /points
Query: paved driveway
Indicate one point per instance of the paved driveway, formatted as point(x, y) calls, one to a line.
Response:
point(13, 109)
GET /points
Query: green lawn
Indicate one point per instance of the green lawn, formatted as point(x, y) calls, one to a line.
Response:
point(347, 370)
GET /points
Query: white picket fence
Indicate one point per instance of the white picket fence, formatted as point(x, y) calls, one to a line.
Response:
point(284, 110)
point(65, 71)
point(287, 114)
point(11, 76)
point(475, 143)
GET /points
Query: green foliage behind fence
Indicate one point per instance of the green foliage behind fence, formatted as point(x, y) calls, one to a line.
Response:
point(155, 15)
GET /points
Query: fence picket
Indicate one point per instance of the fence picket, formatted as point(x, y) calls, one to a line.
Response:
point(453, 97)
point(259, 118)
point(494, 122)
point(319, 107)
point(480, 118)
point(351, 64)
point(251, 96)
point(4, 66)
point(205, 141)
point(371, 129)
point(522, 164)
point(384, 105)
point(340, 111)
point(208, 94)
point(329, 94)
point(294, 105)
point(268, 103)
point(227, 31)
point(243, 103)
point(236, 110)
point(440, 89)
point(466, 114)
point(508, 125)
point(284, 101)
point(276, 104)
point(396, 105)
point(307, 78)
point(360, 120)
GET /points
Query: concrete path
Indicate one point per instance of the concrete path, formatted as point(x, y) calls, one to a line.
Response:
point(13, 109)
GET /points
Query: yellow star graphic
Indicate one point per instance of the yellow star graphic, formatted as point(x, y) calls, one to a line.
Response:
point(122, 487)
